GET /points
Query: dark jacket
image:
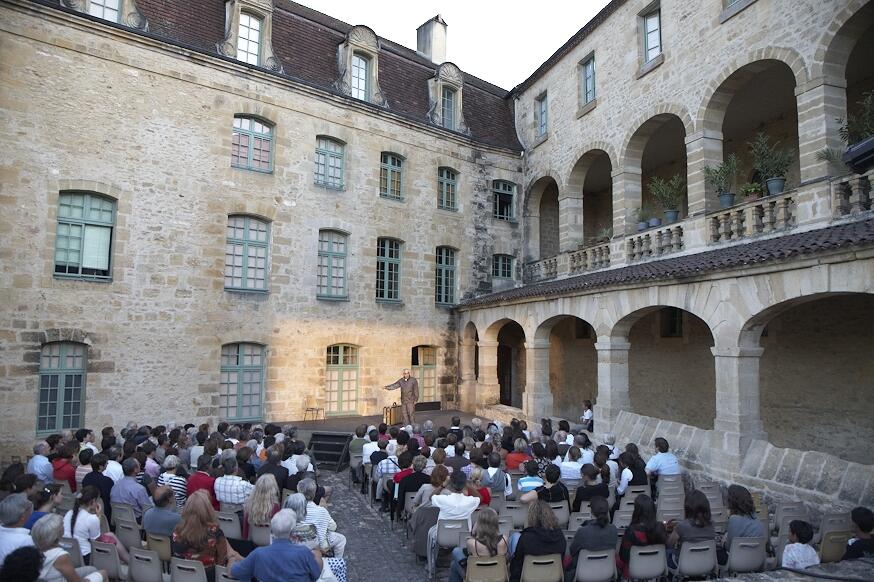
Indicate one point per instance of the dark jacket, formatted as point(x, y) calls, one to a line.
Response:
point(535, 541)
point(456, 462)
point(410, 484)
point(592, 537)
point(278, 471)
point(586, 492)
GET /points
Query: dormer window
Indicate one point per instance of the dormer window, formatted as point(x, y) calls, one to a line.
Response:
point(445, 90)
point(249, 39)
point(358, 65)
point(105, 9)
point(123, 12)
point(360, 76)
point(248, 34)
point(447, 114)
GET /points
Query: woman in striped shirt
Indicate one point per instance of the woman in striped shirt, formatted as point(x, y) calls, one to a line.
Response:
point(177, 483)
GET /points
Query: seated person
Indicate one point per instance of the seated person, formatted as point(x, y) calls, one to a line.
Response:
point(518, 456)
point(594, 485)
point(552, 491)
point(198, 536)
point(798, 553)
point(531, 481)
point(294, 561)
point(862, 544)
point(696, 527)
point(161, 519)
point(541, 537)
point(742, 521)
point(645, 530)
point(58, 565)
point(485, 540)
point(594, 535)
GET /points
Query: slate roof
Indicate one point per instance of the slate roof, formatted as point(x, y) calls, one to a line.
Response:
point(305, 41)
point(853, 234)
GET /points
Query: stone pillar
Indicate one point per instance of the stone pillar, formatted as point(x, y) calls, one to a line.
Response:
point(612, 381)
point(738, 418)
point(627, 193)
point(467, 391)
point(537, 399)
point(532, 234)
point(820, 103)
point(570, 221)
point(488, 391)
point(703, 149)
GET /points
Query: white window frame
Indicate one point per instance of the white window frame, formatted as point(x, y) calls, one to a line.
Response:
point(541, 114)
point(244, 40)
point(652, 15)
point(587, 69)
point(99, 8)
point(360, 83)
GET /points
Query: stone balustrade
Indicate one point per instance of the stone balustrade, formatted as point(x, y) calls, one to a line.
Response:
point(761, 216)
point(543, 269)
point(852, 194)
point(654, 243)
point(590, 258)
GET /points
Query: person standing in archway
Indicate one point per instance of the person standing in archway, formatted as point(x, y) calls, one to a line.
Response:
point(409, 394)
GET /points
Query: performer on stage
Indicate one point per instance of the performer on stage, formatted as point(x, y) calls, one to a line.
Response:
point(409, 394)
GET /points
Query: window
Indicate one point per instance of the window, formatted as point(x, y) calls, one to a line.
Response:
point(447, 183)
point(652, 35)
point(447, 108)
point(83, 245)
point(542, 115)
point(671, 322)
point(332, 265)
point(423, 367)
point(390, 176)
point(341, 380)
point(588, 81)
point(388, 269)
point(242, 382)
point(329, 163)
point(444, 284)
point(502, 266)
point(251, 145)
point(246, 254)
point(105, 9)
point(360, 77)
point(505, 195)
point(61, 387)
point(249, 39)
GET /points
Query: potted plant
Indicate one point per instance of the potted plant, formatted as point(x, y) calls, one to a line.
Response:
point(605, 233)
point(669, 194)
point(653, 220)
point(643, 213)
point(857, 132)
point(771, 162)
point(751, 191)
point(721, 178)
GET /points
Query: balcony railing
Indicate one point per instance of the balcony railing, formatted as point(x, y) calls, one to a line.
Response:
point(590, 258)
point(542, 270)
point(654, 243)
point(761, 216)
point(852, 194)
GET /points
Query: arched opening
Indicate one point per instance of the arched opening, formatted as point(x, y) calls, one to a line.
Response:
point(511, 364)
point(591, 174)
point(658, 148)
point(470, 363)
point(816, 374)
point(860, 65)
point(573, 363)
point(671, 371)
point(541, 217)
point(549, 235)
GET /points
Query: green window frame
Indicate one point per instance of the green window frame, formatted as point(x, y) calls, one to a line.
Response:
point(391, 176)
point(341, 380)
point(241, 393)
point(445, 279)
point(332, 265)
point(249, 39)
point(61, 396)
point(502, 266)
point(247, 255)
point(652, 34)
point(423, 367)
point(330, 156)
point(252, 144)
point(589, 80)
point(447, 107)
point(504, 200)
point(360, 77)
point(388, 270)
point(542, 115)
point(447, 187)
point(84, 239)
point(105, 9)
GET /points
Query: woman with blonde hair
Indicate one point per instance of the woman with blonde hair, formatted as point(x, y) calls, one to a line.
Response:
point(262, 504)
point(486, 540)
point(476, 482)
point(198, 536)
point(540, 537)
point(58, 565)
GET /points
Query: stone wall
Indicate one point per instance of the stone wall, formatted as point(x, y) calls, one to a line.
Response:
point(573, 368)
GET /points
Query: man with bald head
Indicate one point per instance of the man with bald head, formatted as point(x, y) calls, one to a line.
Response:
point(409, 387)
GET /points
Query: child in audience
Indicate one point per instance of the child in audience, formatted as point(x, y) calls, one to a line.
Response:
point(799, 554)
point(862, 544)
point(531, 481)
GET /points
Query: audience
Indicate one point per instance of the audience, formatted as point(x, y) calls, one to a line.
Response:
point(662, 463)
point(172, 479)
point(22, 565)
point(552, 491)
point(518, 456)
point(198, 536)
point(44, 502)
point(230, 488)
point(15, 510)
point(531, 480)
point(329, 539)
point(58, 565)
point(594, 485)
point(540, 537)
point(39, 463)
point(862, 544)
point(798, 553)
point(282, 560)
point(742, 522)
point(644, 530)
point(696, 527)
point(84, 466)
point(162, 519)
point(594, 535)
point(261, 505)
point(485, 540)
point(202, 481)
point(83, 523)
point(129, 491)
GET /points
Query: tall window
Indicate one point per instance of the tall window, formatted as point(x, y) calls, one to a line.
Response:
point(505, 196)
point(652, 39)
point(83, 245)
point(61, 386)
point(391, 176)
point(671, 322)
point(341, 379)
point(251, 145)
point(105, 9)
point(444, 284)
point(502, 266)
point(332, 265)
point(542, 115)
point(249, 39)
point(589, 80)
point(388, 269)
point(423, 367)
point(246, 253)
point(329, 163)
point(242, 382)
point(447, 108)
point(447, 183)
point(360, 77)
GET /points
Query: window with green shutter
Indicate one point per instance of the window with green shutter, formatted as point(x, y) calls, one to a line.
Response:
point(391, 176)
point(341, 380)
point(329, 163)
point(246, 253)
point(447, 185)
point(444, 284)
point(332, 265)
point(252, 145)
point(83, 244)
point(388, 269)
point(241, 393)
point(502, 266)
point(61, 387)
point(504, 200)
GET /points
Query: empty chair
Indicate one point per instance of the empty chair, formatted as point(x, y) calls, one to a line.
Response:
point(720, 519)
point(671, 501)
point(259, 534)
point(596, 566)
point(72, 547)
point(562, 513)
point(483, 569)
point(451, 532)
point(519, 513)
point(105, 557)
point(634, 490)
point(505, 526)
point(145, 566)
point(585, 508)
point(187, 571)
point(129, 533)
point(223, 574)
point(794, 509)
point(230, 524)
point(647, 562)
point(834, 522)
point(542, 568)
point(746, 555)
point(161, 545)
point(833, 546)
point(122, 511)
point(697, 559)
point(498, 503)
point(622, 519)
point(667, 514)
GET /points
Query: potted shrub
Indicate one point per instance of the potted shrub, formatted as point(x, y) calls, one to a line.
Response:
point(771, 163)
point(857, 132)
point(721, 178)
point(669, 194)
point(604, 234)
point(751, 191)
point(643, 213)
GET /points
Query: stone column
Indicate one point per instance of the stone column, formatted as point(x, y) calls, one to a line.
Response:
point(612, 381)
point(627, 192)
point(531, 221)
point(703, 149)
point(488, 391)
point(738, 418)
point(537, 399)
point(467, 391)
point(820, 103)
point(570, 221)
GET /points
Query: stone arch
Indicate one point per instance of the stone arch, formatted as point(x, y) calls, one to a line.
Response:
point(507, 337)
point(836, 43)
point(572, 367)
point(537, 225)
point(634, 141)
point(591, 180)
point(577, 175)
point(470, 332)
point(491, 331)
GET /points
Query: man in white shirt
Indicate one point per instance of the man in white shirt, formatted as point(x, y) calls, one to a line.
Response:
point(231, 488)
point(370, 447)
point(15, 510)
point(661, 463)
point(113, 468)
point(455, 505)
point(570, 469)
point(39, 464)
point(319, 517)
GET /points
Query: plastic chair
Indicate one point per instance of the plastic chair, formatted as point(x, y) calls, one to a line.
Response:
point(647, 562)
point(519, 513)
point(145, 566)
point(129, 533)
point(505, 526)
point(71, 545)
point(451, 532)
point(671, 501)
point(542, 568)
point(839, 522)
point(793, 509)
point(562, 513)
point(596, 566)
point(105, 557)
point(568, 538)
point(746, 555)
point(122, 511)
point(187, 571)
point(634, 490)
point(161, 545)
point(833, 546)
point(720, 519)
point(483, 569)
point(667, 514)
point(223, 574)
point(697, 559)
point(585, 509)
point(576, 520)
point(230, 507)
point(230, 524)
point(259, 534)
point(622, 519)
point(355, 461)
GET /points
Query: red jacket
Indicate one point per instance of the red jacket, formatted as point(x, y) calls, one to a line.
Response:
point(65, 471)
point(201, 480)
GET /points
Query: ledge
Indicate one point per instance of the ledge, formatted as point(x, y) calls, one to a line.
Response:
point(650, 66)
point(734, 8)
point(539, 140)
point(587, 107)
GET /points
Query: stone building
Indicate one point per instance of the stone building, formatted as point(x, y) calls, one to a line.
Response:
point(243, 210)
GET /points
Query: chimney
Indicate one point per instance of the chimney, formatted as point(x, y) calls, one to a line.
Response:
point(431, 40)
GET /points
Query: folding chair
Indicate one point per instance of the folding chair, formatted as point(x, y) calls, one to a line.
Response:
point(187, 571)
point(720, 519)
point(259, 534)
point(833, 522)
point(542, 568)
point(667, 514)
point(576, 520)
point(697, 559)
point(145, 566)
point(746, 555)
point(72, 547)
point(647, 562)
point(161, 545)
point(223, 574)
point(519, 513)
point(794, 509)
point(622, 519)
point(105, 557)
point(833, 546)
point(585, 509)
point(230, 507)
point(596, 566)
point(451, 532)
point(355, 463)
point(562, 513)
point(230, 525)
point(568, 538)
point(482, 569)
point(129, 533)
point(122, 511)
point(634, 490)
